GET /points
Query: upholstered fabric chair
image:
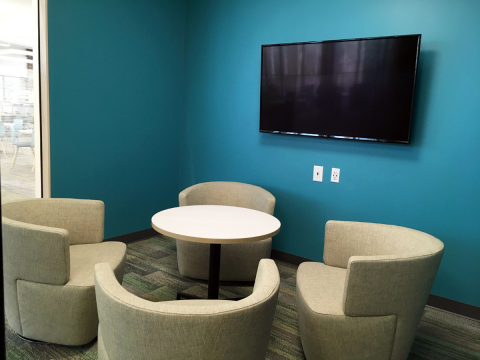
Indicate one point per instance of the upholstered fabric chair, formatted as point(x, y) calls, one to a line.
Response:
point(366, 300)
point(134, 328)
point(22, 144)
point(238, 262)
point(2, 135)
point(50, 248)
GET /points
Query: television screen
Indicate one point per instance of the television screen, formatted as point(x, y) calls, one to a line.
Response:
point(359, 89)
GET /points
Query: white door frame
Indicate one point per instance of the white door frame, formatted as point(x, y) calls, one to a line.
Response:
point(41, 103)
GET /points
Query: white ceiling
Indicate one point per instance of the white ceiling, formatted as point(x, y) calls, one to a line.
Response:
point(17, 22)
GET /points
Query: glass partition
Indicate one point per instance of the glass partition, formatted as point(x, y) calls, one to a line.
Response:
point(17, 138)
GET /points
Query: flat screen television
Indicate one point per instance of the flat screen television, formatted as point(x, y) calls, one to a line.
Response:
point(357, 89)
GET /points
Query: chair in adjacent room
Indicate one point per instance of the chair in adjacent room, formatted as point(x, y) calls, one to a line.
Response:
point(18, 124)
point(2, 135)
point(22, 144)
point(366, 300)
point(134, 328)
point(238, 262)
point(50, 248)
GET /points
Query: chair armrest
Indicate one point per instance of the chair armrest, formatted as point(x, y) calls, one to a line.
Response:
point(182, 196)
point(267, 283)
point(35, 253)
point(341, 242)
point(389, 284)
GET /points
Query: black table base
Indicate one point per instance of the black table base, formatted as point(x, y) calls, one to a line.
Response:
point(213, 277)
point(214, 271)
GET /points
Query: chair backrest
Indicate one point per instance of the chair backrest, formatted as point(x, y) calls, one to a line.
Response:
point(133, 328)
point(18, 124)
point(13, 134)
point(230, 194)
point(344, 239)
point(83, 219)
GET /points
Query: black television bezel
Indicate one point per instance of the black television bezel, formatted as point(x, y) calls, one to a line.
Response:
point(419, 38)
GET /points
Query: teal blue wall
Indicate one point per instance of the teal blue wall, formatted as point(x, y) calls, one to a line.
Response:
point(122, 100)
point(116, 103)
point(431, 185)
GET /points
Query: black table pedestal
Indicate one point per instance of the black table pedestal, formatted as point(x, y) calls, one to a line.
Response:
point(214, 271)
point(213, 276)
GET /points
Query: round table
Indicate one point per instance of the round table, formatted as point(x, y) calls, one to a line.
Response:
point(215, 225)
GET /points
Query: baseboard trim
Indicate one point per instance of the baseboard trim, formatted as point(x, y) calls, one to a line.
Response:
point(455, 307)
point(135, 236)
point(288, 258)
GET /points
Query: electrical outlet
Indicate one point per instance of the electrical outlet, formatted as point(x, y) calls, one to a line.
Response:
point(335, 175)
point(318, 173)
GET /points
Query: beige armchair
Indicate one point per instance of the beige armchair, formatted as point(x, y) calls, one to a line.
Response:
point(50, 248)
point(366, 300)
point(134, 328)
point(238, 262)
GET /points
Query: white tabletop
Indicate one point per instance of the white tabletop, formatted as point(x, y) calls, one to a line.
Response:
point(215, 224)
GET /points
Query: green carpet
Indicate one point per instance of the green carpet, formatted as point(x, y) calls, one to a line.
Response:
point(151, 273)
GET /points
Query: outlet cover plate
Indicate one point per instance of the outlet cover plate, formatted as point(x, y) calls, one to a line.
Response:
point(335, 175)
point(318, 173)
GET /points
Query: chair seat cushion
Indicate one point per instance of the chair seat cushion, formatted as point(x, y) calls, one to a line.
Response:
point(84, 257)
point(321, 287)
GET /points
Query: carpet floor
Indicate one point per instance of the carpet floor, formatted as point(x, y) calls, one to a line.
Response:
point(151, 273)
